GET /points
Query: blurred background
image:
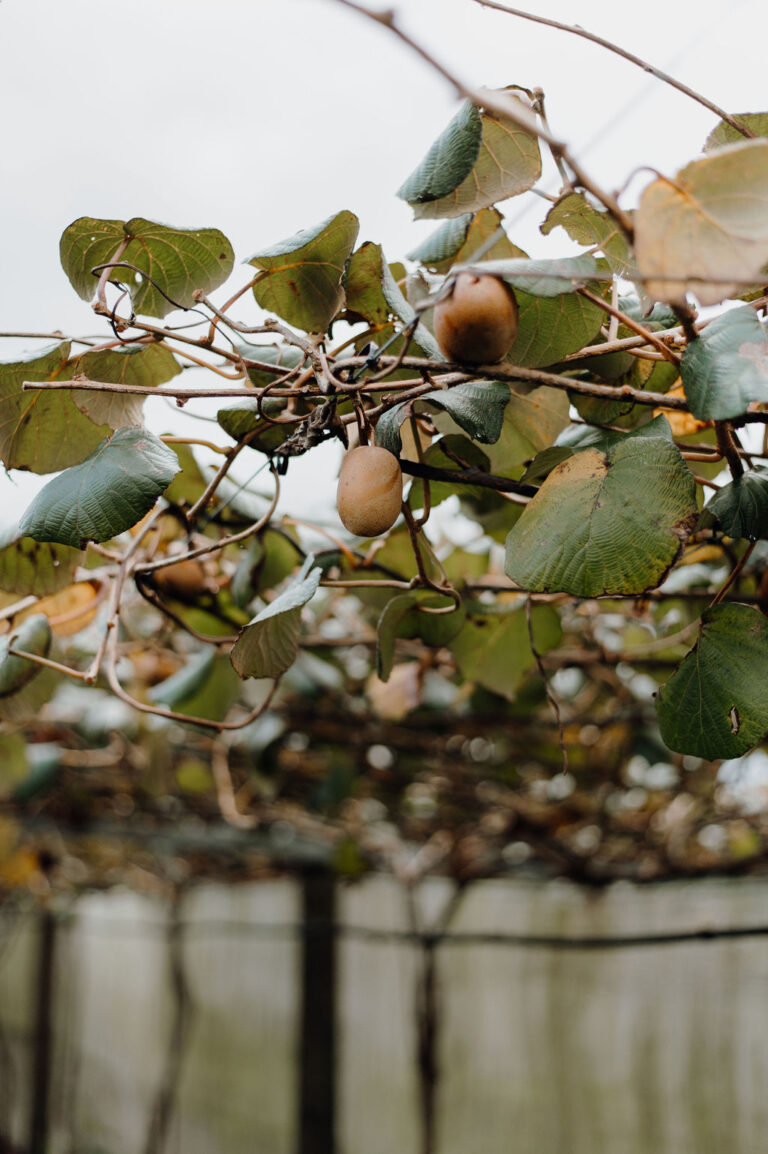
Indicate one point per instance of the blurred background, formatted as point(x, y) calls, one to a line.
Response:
point(471, 949)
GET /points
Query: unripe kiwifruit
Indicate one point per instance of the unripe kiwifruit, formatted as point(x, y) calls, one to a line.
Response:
point(477, 322)
point(370, 491)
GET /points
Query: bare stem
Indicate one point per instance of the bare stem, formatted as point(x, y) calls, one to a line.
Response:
point(577, 30)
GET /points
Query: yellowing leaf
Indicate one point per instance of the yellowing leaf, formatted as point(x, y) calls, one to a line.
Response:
point(68, 611)
point(681, 424)
point(706, 231)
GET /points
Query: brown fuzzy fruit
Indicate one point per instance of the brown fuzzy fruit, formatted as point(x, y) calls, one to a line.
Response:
point(185, 580)
point(477, 323)
point(370, 491)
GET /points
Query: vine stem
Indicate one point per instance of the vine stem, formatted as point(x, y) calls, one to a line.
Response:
point(551, 698)
point(641, 330)
point(734, 574)
point(577, 30)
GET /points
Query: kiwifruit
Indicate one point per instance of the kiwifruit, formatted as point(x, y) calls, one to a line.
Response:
point(476, 323)
point(370, 491)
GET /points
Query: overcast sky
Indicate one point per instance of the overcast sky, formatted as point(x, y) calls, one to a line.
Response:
point(261, 117)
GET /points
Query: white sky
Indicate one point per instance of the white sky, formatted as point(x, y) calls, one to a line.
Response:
point(262, 118)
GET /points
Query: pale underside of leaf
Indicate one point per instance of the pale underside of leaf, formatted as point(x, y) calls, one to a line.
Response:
point(42, 430)
point(301, 276)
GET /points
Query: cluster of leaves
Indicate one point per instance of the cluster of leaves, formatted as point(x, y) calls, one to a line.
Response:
point(596, 558)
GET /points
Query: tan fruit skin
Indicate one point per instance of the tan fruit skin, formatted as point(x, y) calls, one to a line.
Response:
point(370, 491)
point(477, 323)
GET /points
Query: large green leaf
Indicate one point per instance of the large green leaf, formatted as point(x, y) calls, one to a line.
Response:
point(723, 133)
point(301, 276)
point(742, 506)
point(716, 703)
point(476, 406)
point(207, 686)
point(33, 567)
point(588, 226)
point(179, 260)
point(146, 365)
point(269, 644)
point(706, 231)
point(544, 278)
point(32, 636)
point(533, 418)
point(112, 490)
point(506, 163)
point(449, 161)
point(494, 649)
point(42, 430)
point(726, 368)
point(610, 521)
point(247, 416)
point(549, 328)
point(404, 616)
point(283, 357)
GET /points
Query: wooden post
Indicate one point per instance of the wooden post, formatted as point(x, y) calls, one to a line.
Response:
point(317, 1054)
point(42, 1044)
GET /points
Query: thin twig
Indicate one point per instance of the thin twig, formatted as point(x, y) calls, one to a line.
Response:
point(500, 105)
point(577, 30)
point(649, 337)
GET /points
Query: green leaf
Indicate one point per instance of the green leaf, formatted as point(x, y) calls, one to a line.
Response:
point(207, 686)
point(460, 239)
point(716, 703)
point(401, 308)
point(439, 250)
point(551, 328)
point(246, 418)
point(146, 365)
point(706, 231)
point(32, 636)
point(31, 567)
point(493, 649)
point(449, 161)
point(43, 431)
point(179, 260)
point(544, 278)
point(269, 644)
point(14, 763)
point(723, 133)
point(588, 226)
point(283, 357)
point(301, 276)
point(742, 506)
point(532, 420)
point(112, 490)
point(404, 616)
point(269, 559)
point(610, 521)
point(506, 163)
point(476, 406)
point(726, 368)
point(362, 284)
